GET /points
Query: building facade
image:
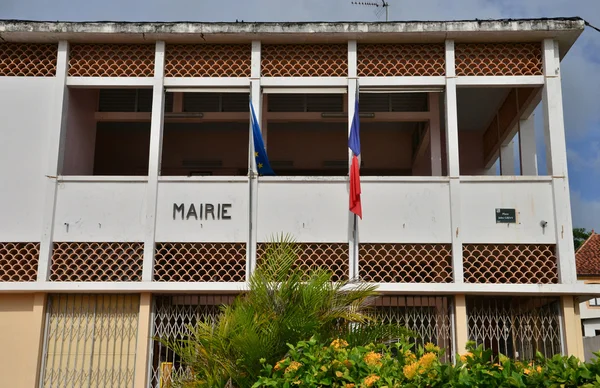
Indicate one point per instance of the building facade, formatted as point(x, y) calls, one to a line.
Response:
point(131, 206)
point(587, 258)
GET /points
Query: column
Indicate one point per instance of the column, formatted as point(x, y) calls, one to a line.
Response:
point(507, 159)
point(434, 134)
point(57, 132)
point(453, 163)
point(460, 324)
point(256, 97)
point(142, 352)
point(527, 146)
point(353, 89)
point(156, 134)
point(557, 162)
point(572, 326)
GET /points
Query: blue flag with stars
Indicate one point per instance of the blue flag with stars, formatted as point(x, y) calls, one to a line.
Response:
point(260, 154)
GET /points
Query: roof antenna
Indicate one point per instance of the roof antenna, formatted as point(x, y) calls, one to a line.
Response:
point(381, 7)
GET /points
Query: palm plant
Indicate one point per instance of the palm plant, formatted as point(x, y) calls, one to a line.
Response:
point(284, 305)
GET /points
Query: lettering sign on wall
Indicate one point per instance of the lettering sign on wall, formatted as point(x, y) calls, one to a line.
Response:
point(201, 211)
point(506, 216)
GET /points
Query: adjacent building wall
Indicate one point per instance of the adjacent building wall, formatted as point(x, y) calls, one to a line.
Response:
point(81, 132)
point(21, 328)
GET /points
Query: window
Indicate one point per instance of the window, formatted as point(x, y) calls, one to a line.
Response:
point(594, 302)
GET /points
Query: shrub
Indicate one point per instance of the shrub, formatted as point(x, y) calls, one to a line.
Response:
point(313, 364)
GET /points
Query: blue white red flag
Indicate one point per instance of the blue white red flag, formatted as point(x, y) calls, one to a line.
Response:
point(260, 153)
point(354, 145)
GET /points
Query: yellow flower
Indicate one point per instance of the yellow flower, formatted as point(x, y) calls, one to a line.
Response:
point(297, 382)
point(373, 359)
point(339, 344)
point(410, 370)
point(410, 356)
point(370, 380)
point(526, 371)
point(279, 364)
point(338, 373)
point(432, 348)
point(350, 385)
point(465, 356)
point(427, 360)
point(294, 365)
point(539, 369)
point(499, 366)
point(347, 363)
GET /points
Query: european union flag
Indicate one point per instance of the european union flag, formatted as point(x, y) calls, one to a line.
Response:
point(260, 154)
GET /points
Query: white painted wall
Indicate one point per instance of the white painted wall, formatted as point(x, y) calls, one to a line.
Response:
point(202, 191)
point(26, 106)
point(309, 209)
point(590, 326)
point(405, 212)
point(533, 203)
point(99, 211)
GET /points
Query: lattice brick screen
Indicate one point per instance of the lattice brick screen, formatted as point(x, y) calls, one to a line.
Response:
point(19, 262)
point(405, 263)
point(111, 60)
point(208, 60)
point(97, 262)
point(304, 60)
point(388, 60)
point(28, 60)
point(498, 59)
point(200, 262)
point(516, 264)
point(333, 257)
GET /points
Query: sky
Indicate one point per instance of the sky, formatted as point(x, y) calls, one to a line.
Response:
point(580, 69)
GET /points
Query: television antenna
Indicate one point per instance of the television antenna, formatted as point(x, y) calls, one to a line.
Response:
point(381, 7)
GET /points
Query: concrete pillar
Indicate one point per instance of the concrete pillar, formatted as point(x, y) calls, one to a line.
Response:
point(507, 159)
point(156, 135)
point(557, 162)
point(142, 351)
point(435, 140)
point(461, 323)
point(572, 327)
point(528, 148)
point(452, 155)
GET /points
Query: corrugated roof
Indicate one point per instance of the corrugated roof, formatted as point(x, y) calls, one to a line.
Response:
point(587, 257)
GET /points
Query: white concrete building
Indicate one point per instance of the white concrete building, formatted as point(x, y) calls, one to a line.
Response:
point(130, 205)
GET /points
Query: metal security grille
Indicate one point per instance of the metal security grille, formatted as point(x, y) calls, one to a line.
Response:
point(427, 316)
point(515, 326)
point(174, 315)
point(90, 341)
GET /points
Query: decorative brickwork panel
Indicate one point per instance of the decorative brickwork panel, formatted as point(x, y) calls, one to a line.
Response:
point(111, 60)
point(304, 60)
point(28, 60)
point(208, 60)
point(401, 60)
point(97, 262)
point(514, 264)
point(19, 262)
point(405, 263)
point(200, 262)
point(498, 59)
point(333, 257)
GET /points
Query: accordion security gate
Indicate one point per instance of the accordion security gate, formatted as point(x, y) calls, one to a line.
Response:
point(517, 327)
point(90, 341)
point(173, 315)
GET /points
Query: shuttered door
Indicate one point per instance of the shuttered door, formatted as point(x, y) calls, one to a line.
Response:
point(90, 341)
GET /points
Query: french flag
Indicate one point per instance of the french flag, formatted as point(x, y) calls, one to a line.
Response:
point(354, 145)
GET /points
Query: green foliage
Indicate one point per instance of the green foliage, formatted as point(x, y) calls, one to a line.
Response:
point(313, 364)
point(284, 305)
point(579, 236)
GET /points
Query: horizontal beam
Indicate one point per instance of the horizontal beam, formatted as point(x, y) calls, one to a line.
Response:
point(388, 288)
point(366, 82)
point(209, 82)
point(509, 81)
point(304, 82)
point(145, 117)
point(110, 82)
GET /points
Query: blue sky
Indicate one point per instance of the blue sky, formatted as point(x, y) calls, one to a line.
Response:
point(580, 69)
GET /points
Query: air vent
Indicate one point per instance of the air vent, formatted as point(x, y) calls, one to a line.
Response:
point(215, 102)
point(393, 102)
point(202, 163)
point(335, 163)
point(282, 163)
point(306, 103)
